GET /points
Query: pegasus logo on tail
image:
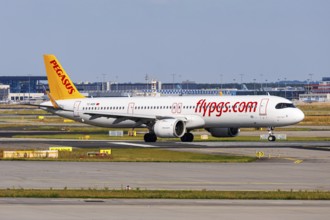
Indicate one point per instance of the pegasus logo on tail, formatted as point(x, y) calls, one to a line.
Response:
point(60, 85)
point(66, 82)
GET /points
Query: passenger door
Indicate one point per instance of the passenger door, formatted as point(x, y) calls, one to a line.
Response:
point(76, 108)
point(263, 107)
point(130, 109)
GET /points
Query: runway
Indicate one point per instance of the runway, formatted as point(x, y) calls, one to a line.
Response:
point(124, 209)
point(262, 175)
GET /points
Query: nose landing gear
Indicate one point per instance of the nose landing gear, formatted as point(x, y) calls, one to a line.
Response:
point(271, 136)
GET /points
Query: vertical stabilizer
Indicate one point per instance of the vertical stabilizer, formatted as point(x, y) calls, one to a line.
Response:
point(60, 85)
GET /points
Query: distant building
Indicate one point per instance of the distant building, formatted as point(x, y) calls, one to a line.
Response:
point(315, 97)
point(26, 97)
point(317, 92)
point(4, 92)
point(31, 87)
point(24, 84)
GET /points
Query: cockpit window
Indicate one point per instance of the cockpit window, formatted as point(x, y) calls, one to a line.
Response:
point(284, 105)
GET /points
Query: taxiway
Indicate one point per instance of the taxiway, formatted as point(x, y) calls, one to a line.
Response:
point(124, 209)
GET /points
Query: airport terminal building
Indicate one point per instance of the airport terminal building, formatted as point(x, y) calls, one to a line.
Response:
point(4, 92)
point(317, 92)
point(22, 88)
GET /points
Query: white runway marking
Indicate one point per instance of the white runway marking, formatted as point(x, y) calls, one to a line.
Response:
point(133, 144)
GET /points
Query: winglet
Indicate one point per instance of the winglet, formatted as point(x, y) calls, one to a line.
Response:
point(60, 85)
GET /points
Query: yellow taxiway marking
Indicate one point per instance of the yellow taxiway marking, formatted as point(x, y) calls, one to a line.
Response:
point(296, 161)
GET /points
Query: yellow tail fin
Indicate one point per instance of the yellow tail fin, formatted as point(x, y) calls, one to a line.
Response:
point(60, 85)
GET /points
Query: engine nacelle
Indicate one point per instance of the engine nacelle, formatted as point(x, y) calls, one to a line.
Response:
point(169, 128)
point(223, 132)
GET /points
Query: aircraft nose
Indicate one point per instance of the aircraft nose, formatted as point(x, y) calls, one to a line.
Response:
point(299, 115)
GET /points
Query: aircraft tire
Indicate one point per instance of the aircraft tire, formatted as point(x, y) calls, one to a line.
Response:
point(187, 137)
point(271, 138)
point(150, 137)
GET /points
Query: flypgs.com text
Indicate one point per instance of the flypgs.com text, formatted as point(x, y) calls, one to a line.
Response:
point(218, 108)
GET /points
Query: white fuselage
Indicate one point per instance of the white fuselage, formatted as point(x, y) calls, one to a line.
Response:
point(195, 111)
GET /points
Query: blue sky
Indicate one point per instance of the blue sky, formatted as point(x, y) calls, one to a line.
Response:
point(198, 40)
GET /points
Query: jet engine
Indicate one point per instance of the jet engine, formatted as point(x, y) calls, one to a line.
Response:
point(169, 128)
point(223, 132)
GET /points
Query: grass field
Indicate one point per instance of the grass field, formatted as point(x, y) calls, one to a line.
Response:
point(315, 108)
point(144, 155)
point(316, 113)
point(164, 194)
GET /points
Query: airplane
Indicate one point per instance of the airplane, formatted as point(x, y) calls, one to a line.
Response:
point(167, 117)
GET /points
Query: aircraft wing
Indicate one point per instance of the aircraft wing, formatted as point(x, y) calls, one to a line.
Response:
point(41, 106)
point(133, 117)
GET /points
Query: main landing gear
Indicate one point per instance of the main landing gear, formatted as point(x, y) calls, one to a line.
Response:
point(150, 137)
point(271, 136)
point(187, 137)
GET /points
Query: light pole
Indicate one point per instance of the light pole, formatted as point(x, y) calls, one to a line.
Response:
point(241, 77)
point(147, 82)
point(29, 86)
point(103, 82)
point(173, 80)
point(284, 87)
point(310, 84)
point(221, 81)
point(180, 81)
